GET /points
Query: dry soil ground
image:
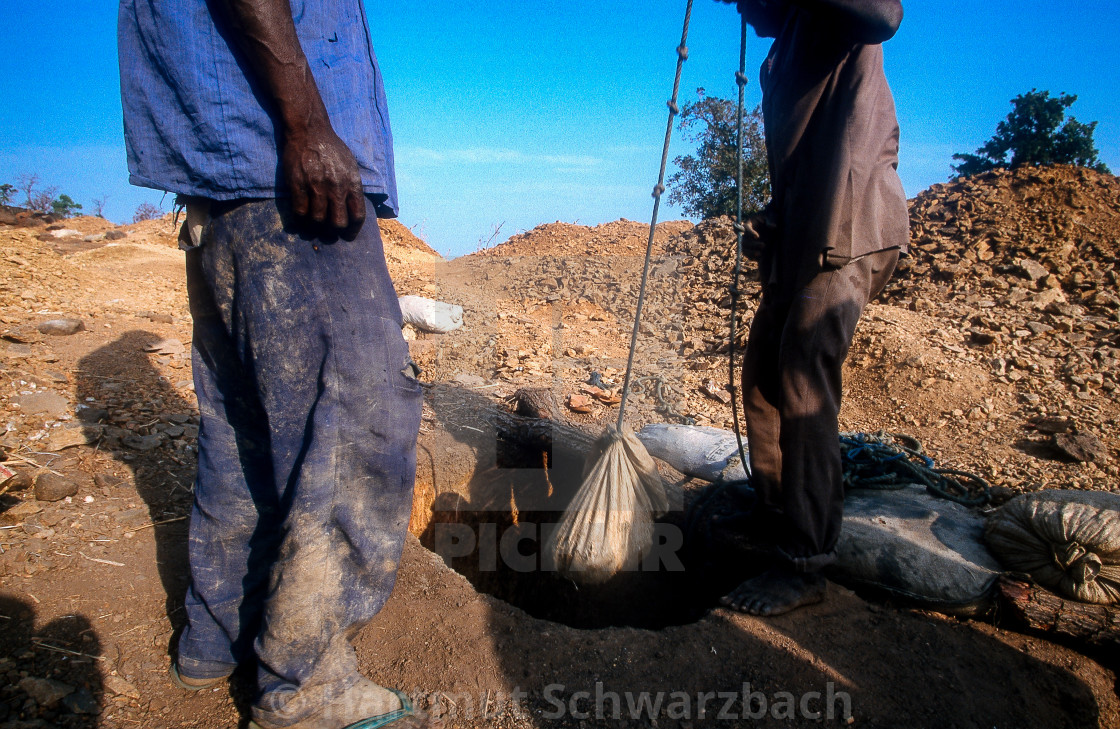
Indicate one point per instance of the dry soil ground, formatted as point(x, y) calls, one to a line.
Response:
point(1000, 330)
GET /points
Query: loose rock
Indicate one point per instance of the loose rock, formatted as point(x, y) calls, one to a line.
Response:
point(45, 691)
point(52, 487)
point(49, 403)
point(142, 442)
point(121, 687)
point(1081, 447)
point(81, 702)
point(62, 327)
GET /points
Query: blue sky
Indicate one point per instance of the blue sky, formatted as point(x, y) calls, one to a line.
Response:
point(530, 112)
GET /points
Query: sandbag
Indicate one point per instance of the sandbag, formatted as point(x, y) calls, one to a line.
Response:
point(430, 315)
point(1067, 541)
point(711, 454)
point(608, 526)
point(911, 544)
point(904, 542)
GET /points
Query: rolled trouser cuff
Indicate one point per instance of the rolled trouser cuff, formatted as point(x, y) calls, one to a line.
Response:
point(204, 670)
point(812, 563)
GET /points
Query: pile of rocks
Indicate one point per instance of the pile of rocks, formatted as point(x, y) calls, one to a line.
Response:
point(620, 237)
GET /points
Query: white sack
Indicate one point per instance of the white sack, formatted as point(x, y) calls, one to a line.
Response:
point(430, 315)
point(609, 524)
point(707, 453)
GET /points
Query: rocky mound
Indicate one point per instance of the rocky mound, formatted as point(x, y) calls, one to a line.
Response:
point(1003, 320)
point(1025, 262)
point(620, 237)
point(704, 259)
point(1031, 235)
point(400, 241)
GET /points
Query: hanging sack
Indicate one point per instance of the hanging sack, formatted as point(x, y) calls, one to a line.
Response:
point(1067, 541)
point(609, 524)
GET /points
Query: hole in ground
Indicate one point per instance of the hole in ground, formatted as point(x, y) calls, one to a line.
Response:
point(495, 538)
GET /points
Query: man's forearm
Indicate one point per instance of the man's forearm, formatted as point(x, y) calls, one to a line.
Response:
point(319, 170)
point(266, 34)
point(868, 21)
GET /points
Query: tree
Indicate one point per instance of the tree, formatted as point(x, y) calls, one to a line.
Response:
point(6, 192)
point(1034, 134)
point(97, 207)
point(704, 184)
point(146, 211)
point(40, 201)
point(27, 183)
point(65, 207)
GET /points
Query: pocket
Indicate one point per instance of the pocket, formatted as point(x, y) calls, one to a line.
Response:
point(402, 372)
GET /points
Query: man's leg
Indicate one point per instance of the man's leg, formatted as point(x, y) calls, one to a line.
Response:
point(815, 339)
point(316, 326)
point(779, 589)
point(762, 416)
point(236, 509)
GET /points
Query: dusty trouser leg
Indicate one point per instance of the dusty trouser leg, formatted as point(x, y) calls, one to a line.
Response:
point(818, 332)
point(314, 327)
point(762, 416)
point(236, 505)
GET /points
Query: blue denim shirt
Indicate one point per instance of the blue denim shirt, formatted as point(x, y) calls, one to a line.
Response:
point(194, 124)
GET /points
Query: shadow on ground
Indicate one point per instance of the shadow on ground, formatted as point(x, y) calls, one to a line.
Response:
point(52, 674)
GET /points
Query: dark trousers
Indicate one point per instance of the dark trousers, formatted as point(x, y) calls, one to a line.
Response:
point(309, 415)
point(791, 390)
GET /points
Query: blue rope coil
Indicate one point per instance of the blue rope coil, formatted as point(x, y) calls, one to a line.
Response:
point(881, 461)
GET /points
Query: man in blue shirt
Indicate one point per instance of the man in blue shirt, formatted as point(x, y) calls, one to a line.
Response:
point(268, 119)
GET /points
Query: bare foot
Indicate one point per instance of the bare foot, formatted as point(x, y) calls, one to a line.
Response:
point(776, 591)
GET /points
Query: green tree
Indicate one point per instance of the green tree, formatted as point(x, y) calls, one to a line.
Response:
point(6, 192)
point(64, 206)
point(1034, 134)
point(704, 184)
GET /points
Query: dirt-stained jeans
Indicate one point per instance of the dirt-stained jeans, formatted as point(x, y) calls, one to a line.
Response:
point(791, 392)
point(307, 452)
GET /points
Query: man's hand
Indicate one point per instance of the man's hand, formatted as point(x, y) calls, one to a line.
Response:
point(320, 171)
point(758, 233)
point(323, 179)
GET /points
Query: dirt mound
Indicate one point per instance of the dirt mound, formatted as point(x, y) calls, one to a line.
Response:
point(1021, 266)
point(1052, 231)
point(88, 224)
point(163, 231)
point(1001, 321)
point(705, 262)
point(620, 237)
point(398, 240)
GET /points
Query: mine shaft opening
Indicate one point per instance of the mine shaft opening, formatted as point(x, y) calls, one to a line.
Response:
point(495, 536)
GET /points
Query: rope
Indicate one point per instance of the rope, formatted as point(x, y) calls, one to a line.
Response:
point(682, 56)
point(732, 387)
point(880, 461)
point(655, 385)
point(699, 511)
